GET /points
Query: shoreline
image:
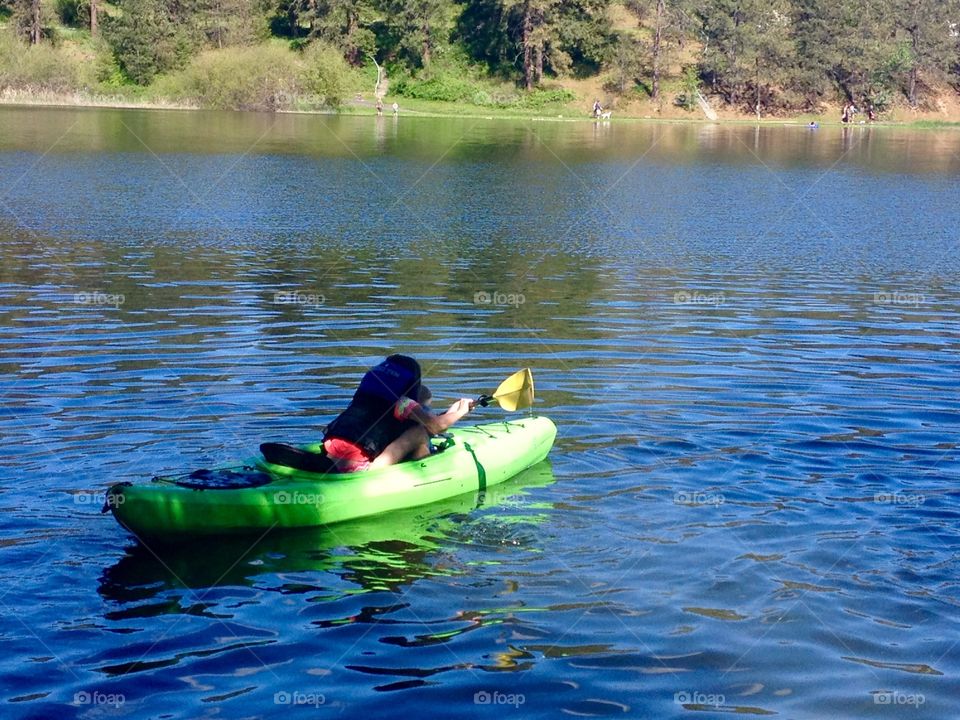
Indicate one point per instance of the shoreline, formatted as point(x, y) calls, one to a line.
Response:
point(355, 108)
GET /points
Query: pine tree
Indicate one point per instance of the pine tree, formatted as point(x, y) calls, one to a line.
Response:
point(148, 38)
point(926, 28)
point(748, 50)
point(539, 34)
point(671, 22)
point(414, 28)
point(841, 45)
point(345, 24)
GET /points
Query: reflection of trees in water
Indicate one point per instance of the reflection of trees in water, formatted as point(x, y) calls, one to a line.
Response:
point(456, 140)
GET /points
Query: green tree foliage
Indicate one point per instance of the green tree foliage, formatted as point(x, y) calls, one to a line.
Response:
point(840, 46)
point(412, 30)
point(535, 36)
point(226, 23)
point(28, 18)
point(762, 55)
point(345, 24)
point(624, 60)
point(671, 23)
point(748, 50)
point(928, 31)
point(149, 38)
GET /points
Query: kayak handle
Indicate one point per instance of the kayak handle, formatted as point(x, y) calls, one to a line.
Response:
point(484, 400)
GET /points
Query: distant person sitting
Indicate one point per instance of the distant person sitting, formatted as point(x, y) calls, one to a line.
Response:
point(387, 422)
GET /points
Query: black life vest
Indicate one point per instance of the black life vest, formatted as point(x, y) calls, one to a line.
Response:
point(368, 421)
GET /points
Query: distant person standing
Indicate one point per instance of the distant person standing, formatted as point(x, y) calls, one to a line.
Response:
point(379, 106)
point(396, 109)
point(597, 108)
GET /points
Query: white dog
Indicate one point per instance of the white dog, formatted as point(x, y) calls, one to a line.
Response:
point(606, 115)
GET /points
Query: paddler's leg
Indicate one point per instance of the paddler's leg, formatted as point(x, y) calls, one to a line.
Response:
point(412, 445)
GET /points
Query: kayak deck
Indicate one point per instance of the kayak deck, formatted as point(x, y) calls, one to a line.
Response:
point(480, 456)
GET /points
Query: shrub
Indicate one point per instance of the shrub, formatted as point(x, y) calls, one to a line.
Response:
point(690, 86)
point(256, 78)
point(444, 87)
point(36, 67)
point(325, 75)
point(541, 97)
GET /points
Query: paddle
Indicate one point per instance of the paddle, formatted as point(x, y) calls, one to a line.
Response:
point(514, 393)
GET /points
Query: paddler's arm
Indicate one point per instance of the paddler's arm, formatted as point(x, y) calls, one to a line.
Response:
point(436, 424)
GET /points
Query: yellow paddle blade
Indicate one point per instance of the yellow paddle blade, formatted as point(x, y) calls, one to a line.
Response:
point(516, 391)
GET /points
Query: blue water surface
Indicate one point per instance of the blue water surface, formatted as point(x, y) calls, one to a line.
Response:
point(748, 338)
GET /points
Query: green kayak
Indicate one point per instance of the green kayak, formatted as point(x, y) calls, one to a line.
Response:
point(275, 496)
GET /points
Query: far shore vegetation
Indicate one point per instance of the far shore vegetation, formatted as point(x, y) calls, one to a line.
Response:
point(891, 60)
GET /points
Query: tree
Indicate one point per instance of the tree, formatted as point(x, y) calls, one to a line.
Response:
point(539, 35)
point(414, 28)
point(534, 34)
point(36, 28)
point(748, 50)
point(27, 16)
point(344, 24)
point(671, 22)
point(624, 60)
point(225, 23)
point(841, 45)
point(926, 25)
point(147, 39)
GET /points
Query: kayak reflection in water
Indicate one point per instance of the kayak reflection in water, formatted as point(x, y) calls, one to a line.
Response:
point(387, 420)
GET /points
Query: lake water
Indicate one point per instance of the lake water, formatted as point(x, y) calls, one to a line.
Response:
point(747, 337)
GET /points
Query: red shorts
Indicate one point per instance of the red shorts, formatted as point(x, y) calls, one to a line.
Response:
point(347, 456)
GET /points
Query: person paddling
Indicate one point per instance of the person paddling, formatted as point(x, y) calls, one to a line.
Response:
point(386, 422)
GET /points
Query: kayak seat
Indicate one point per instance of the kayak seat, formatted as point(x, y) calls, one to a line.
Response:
point(296, 458)
point(224, 479)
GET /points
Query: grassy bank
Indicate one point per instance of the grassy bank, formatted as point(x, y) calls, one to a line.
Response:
point(273, 76)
